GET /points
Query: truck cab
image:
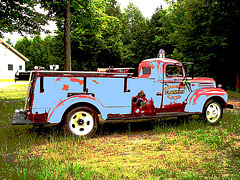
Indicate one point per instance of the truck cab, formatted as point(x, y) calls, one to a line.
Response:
point(78, 100)
point(180, 93)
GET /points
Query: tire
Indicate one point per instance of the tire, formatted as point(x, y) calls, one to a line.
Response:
point(81, 121)
point(212, 112)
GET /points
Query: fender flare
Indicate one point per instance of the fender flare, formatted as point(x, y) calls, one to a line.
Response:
point(197, 99)
point(56, 113)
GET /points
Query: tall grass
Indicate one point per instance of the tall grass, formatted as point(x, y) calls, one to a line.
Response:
point(13, 92)
point(166, 149)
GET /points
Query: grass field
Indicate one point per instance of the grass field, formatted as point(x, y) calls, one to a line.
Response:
point(13, 92)
point(7, 80)
point(165, 149)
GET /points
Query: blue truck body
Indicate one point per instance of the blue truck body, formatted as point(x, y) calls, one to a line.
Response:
point(161, 89)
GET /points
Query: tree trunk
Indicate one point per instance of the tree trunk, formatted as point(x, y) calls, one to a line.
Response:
point(67, 39)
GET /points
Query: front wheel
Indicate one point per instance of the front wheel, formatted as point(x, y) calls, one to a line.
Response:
point(81, 121)
point(212, 112)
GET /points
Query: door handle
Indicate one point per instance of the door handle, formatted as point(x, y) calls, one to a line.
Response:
point(159, 94)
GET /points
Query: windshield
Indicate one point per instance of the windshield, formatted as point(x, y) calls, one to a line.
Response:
point(174, 71)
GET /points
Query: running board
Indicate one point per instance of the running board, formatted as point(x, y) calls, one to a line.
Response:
point(116, 117)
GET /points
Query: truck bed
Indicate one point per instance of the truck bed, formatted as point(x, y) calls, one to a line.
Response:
point(84, 73)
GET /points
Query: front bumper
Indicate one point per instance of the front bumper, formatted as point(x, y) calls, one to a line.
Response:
point(230, 106)
point(20, 117)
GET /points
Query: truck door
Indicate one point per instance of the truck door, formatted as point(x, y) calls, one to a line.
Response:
point(174, 90)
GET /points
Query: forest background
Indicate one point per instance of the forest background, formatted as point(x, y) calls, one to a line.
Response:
point(205, 32)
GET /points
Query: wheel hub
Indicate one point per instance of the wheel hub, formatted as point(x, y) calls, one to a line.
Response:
point(81, 123)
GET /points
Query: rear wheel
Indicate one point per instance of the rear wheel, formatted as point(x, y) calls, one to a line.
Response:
point(212, 112)
point(81, 121)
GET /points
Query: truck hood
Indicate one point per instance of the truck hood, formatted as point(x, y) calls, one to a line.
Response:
point(203, 82)
point(202, 79)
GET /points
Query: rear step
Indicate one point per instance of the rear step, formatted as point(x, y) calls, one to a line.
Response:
point(20, 118)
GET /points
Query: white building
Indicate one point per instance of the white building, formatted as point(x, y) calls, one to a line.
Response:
point(11, 61)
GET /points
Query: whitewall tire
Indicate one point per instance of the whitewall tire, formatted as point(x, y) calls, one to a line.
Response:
point(212, 112)
point(81, 121)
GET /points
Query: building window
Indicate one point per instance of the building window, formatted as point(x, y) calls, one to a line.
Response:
point(20, 67)
point(10, 67)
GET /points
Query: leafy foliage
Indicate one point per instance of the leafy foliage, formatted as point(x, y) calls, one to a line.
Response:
point(41, 52)
point(203, 31)
point(20, 16)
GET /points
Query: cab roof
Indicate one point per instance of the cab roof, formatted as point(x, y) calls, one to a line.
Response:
point(159, 60)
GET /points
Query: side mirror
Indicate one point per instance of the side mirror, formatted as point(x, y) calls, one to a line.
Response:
point(186, 82)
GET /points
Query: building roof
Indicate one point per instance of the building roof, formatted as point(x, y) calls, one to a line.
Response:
point(14, 51)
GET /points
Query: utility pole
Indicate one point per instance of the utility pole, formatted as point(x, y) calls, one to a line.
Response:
point(67, 38)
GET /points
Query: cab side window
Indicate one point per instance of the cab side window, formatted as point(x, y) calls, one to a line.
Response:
point(174, 71)
point(146, 70)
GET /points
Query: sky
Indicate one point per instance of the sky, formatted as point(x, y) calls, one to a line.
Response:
point(147, 7)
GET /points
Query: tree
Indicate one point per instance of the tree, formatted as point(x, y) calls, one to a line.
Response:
point(206, 32)
point(24, 46)
point(158, 33)
point(60, 11)
point(134, 31)
point(67, 38)
point(69, 7)
point(41, 52)
point(20, 16)
point(9, 42)
point(96, 36)
point(225, 23)
point(203, 31)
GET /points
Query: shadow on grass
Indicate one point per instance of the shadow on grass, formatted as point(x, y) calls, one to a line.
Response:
point(7, 108)
point(157, 125)
point(124, 128)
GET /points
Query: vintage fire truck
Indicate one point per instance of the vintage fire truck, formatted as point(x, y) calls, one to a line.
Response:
point(78, 100)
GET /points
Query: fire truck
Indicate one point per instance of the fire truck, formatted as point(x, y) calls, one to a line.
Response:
point(78, 100)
